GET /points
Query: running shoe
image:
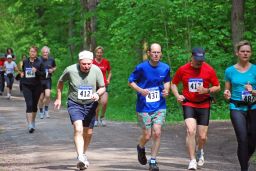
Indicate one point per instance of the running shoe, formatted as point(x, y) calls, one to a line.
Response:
point(153, 166)
point(33, 125)
point(200, 157)
point(41, 114)
point(96, 123)
point(31, 129)
point(192, 165)
point(102, 122)
point(8, 96)
point(46, 113)
point(141, 155)
point(82, 162)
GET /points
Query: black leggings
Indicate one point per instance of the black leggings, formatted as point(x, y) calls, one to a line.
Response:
point(31, 94)
point(244, 123)
point(2, 81)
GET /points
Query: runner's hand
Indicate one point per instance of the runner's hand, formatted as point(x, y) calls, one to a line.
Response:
point(248, 87)
point(34, 69)
point(22, 74)
point(202, 90)
point(50, 70)
point(180, 98)
point(95, 97)
point(227, 94)
point(144, 92)
point(57, 104)
point(165, 93)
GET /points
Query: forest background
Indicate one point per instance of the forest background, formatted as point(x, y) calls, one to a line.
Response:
point(125, 28)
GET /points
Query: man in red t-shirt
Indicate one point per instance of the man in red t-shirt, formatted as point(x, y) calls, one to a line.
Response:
point(199, 80)
point(105, 68)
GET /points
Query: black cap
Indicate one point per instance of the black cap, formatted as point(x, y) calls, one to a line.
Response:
point(198, 54)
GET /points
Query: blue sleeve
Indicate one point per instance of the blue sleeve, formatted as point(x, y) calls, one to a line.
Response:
point(168, 77)
point(135, 75)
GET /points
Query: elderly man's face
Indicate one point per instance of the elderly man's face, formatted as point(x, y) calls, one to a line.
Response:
point(85, 65)
point(45, 53)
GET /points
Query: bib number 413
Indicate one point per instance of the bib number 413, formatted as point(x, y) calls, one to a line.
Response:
point(194, 83)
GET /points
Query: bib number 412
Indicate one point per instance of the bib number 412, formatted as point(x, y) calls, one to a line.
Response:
point(84, 93)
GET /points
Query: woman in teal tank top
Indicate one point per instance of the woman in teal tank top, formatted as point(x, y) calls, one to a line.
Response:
point(240, 85)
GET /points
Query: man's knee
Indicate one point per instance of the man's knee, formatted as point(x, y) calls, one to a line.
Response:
point(157, 134)
point(147, 136)
point(203, 137)
point(191, 131)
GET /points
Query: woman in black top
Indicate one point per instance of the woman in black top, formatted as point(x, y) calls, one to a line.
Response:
point(32, 73)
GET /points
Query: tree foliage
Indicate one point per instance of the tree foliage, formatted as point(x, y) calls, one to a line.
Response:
point(122, 28)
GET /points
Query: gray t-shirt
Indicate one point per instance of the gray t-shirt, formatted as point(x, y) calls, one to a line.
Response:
point(82, 85)
point(9, 67)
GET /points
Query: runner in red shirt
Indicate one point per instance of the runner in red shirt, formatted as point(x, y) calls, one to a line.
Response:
point(2, 80)
point(105, 68)
point(199, 80)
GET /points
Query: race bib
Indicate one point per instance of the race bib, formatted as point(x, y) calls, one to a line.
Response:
point(29, 73)
point(247, 97)
point(84, 92)
point(194, 83)
point(153, 95)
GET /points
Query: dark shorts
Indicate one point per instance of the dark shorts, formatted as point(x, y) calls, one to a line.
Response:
point(201, 115)
point(86, 112)
point(46, 84)
point(9, 81)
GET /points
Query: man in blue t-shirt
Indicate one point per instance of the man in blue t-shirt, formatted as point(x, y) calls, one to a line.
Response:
point(46, 82)
point(151, 80)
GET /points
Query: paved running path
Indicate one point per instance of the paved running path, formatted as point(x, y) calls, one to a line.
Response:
point(113, 148)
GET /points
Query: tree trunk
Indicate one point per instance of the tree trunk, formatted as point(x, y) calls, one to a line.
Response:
point(145, 50)
point(89, 24)
point(237, 21)
point(70, 35)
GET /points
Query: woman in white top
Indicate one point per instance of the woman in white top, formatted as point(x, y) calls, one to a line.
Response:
point(9, 66)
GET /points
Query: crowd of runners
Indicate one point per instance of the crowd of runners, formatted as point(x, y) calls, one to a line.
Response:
point(88, 81)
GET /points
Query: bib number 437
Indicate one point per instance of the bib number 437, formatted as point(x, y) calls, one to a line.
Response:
point(153, 95)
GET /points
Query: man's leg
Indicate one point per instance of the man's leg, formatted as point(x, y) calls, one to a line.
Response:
point(191, 142)
point(87, 134)
point(202, 136)
point(79, 143)
point(46, 101)
point(190, 138)
point(41, 105)
point(156, 137)
point(144, 137)
point(78, 137)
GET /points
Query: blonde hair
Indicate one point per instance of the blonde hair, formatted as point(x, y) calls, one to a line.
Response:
point(242, 43)
point(99, 47)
